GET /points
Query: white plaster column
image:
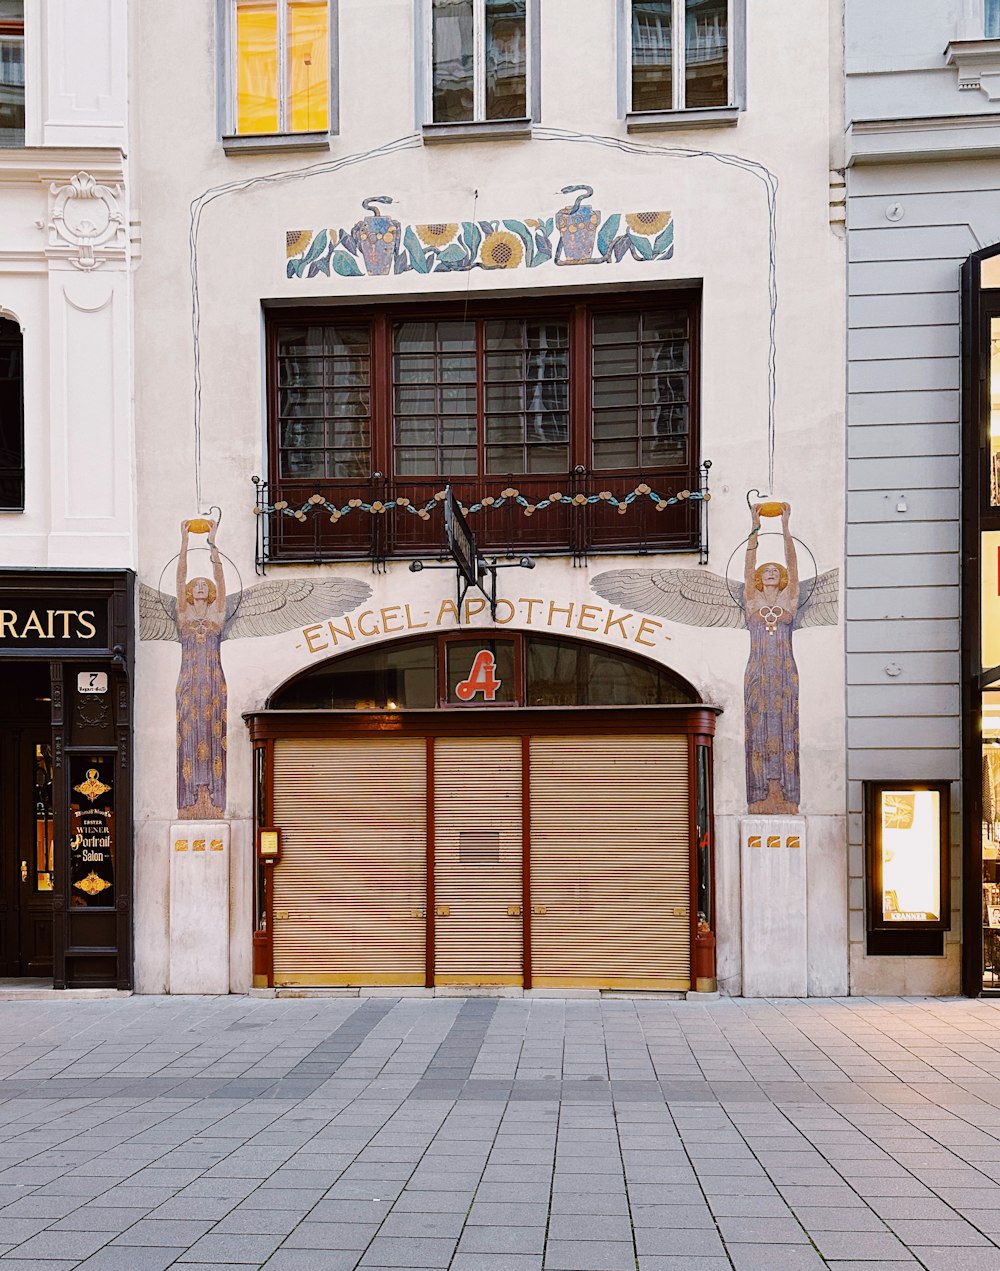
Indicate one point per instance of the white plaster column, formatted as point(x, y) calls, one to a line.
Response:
point(775, 945)
point(199, 907)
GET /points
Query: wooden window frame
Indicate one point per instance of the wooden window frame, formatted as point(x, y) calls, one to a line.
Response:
point(351, 540)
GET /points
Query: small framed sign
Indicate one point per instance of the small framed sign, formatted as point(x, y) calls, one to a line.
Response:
point(269, 845)
point(88, 682)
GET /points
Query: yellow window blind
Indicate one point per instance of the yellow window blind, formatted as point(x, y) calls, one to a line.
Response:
point(282, 66)
point(256, 67)
point(308, 66)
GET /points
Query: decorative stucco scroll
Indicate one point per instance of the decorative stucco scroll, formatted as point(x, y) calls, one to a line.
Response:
point(86, 223)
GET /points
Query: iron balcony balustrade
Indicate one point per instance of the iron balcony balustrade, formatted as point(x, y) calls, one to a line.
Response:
point(578, 515)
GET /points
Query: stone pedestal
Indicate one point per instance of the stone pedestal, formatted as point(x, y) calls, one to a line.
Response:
point(773, 868)
point(199, 907)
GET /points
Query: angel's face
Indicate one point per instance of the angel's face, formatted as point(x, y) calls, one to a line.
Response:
point(200, 589)
point(770, 576)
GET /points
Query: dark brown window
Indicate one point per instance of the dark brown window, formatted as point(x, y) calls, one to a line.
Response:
point(11, 417)
point(542, 397)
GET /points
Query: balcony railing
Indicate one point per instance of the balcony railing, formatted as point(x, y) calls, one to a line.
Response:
point(579, 514)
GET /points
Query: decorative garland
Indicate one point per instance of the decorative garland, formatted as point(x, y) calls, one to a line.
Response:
point(317, 502)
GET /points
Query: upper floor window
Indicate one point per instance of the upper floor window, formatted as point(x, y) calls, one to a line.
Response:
point(11, 73)
point(11, 417)
point(680, 54)
point(481, 64)
point(547, 396)
point(991, 19)
point(280, 67)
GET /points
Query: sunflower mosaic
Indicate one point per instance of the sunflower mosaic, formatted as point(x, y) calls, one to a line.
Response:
point(578, 234)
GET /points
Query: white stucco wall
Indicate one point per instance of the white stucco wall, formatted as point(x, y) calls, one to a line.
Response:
point(722, 244)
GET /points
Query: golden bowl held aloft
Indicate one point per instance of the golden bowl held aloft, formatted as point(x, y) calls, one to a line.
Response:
point(200, 526)
point(771, 509)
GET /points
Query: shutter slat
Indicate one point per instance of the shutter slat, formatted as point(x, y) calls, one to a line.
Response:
point(353, 872)
point(610, 862)
point(477, 860)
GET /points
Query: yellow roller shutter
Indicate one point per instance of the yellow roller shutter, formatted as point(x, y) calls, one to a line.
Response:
point(610, 863)
point(350, 888)
point(477, 860)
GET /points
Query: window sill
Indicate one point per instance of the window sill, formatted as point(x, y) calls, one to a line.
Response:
point(276, 143)
point(486, 130)
point(657, 120)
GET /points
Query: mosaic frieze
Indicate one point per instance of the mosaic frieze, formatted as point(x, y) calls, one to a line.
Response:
point(579, 234)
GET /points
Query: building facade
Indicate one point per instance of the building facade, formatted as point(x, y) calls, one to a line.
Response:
point(411, 278)
point(67, 513)
point(921, 587)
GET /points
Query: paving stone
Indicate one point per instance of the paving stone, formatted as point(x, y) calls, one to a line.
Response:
point(589, 1255)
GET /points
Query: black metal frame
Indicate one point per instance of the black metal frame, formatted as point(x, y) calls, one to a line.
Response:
point(873, 865)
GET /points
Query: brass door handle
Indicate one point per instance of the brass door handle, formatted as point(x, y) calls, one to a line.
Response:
point(539, 909)
point(24, 871)
point(513, 911)
point(443, 911)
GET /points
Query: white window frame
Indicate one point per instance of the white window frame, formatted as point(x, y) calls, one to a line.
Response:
point(283, 139)
point(479, 125)
point(678, 114)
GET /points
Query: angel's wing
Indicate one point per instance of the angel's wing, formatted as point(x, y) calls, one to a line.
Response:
point(692, 596)
point(819, 601)
point(267, 608)
point(157, 615)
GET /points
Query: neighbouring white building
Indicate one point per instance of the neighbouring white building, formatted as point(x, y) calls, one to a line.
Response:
point(576, 273)
point(67, 506)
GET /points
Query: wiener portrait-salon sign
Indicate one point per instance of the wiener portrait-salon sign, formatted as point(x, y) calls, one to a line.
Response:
point(47, 622)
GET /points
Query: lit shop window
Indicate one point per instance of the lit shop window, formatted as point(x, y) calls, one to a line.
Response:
point(907, 856)
point(11, 73)
point(480, 63)
point(281, 66)
point(680, 52)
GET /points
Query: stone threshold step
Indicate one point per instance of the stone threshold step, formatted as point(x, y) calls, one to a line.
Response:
point(471, 991)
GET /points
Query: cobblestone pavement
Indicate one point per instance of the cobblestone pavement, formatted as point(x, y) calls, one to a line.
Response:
point(489, 1134)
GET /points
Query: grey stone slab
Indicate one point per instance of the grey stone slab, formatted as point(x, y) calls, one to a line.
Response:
point(409, 1224)
point(326, 1235)
point(502, 1240)
point(757, 1257)
point(590, 1255)
point(411, 1251)
point(301, 1260)
point(696, 1241)
point(63, 1244)
point(495, 1262)
point(232, 1248)
point(112, 1258)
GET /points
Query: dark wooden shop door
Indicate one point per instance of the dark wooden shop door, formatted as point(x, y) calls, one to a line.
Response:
point(26, 824)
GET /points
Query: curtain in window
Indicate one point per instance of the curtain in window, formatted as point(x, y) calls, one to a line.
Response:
point(256, 67)
point(992, 19)
point(308, 66)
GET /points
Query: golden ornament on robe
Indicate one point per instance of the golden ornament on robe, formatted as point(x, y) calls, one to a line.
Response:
point(93, 787)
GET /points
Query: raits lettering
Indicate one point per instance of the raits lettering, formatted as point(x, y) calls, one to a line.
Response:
point(34, 624)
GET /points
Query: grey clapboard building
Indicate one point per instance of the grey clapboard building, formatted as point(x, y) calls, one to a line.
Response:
point(923, 140)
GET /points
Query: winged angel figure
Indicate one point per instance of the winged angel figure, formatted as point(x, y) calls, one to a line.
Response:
point(200, 618)
point(774, 604)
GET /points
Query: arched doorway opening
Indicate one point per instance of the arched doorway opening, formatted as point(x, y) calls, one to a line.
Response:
point(483, 808)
